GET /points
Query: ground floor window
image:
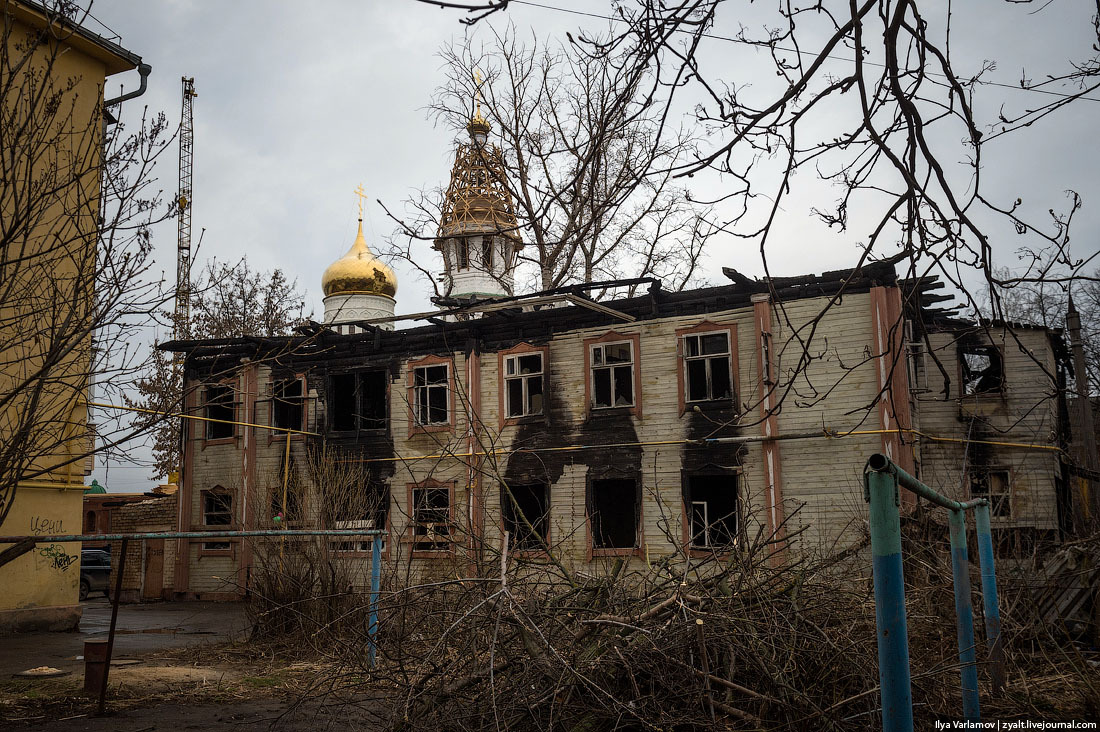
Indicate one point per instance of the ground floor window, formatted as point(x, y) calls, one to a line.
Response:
point(993, 485)
point(526, 513)
point(431, 518)
point(710, 504)
point(217, 514)
point(613, 511)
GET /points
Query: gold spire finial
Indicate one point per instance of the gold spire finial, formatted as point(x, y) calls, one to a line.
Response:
point(361, 194)
point(478, 125)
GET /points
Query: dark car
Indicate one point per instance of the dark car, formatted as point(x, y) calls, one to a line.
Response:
point(95, 570)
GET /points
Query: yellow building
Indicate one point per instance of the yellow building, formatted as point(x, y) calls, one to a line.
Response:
point(53, 118)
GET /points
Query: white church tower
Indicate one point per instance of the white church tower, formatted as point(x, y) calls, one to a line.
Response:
point(478, 233)
point(358, 286)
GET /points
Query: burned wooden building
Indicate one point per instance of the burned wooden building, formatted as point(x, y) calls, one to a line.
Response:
point(651, 426)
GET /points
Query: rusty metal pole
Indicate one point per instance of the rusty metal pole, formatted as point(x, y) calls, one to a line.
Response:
point(111, 632)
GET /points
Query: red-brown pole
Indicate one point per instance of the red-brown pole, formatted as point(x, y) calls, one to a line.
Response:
point(111, 632)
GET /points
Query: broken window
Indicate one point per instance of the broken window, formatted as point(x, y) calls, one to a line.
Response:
point(431, 518)
point(487, 253)
point(364, 508)
point(217, 513)
point(288, 404)
point(358, 401)
point(218, 406)
point(430, 397)
point(526, 513)
point(613, 375)
point(992, 485)
point(523, 384)
point(711, 505)
point(708, 374)
point(613, 512)
point(982, 369)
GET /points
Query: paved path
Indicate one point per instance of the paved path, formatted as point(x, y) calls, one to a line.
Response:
point(140, 629)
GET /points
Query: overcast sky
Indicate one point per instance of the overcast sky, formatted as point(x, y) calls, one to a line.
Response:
point(299, 102)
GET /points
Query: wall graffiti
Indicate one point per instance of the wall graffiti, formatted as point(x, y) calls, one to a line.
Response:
point(59, 559)
point(44, 526)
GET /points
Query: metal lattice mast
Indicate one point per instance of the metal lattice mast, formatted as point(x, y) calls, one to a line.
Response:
point(182, 316)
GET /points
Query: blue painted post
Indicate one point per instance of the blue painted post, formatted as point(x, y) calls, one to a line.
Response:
point(990, 604)
point(375, 588)
point(964, 616)
point(893, 638)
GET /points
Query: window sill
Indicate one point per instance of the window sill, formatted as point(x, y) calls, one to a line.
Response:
point(713, 405)
point(526, 419)
point(601, 412)
point(721, 552)
point(369, 432)
point(432, 553)
point(281, 436)
point(219, 441)
point(604, 552)
point(427, 429)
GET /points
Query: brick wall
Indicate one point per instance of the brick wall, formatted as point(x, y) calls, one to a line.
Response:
point(155, 514)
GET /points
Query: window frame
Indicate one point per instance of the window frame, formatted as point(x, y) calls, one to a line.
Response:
point(205, 546)
point(710, 471)
point(523, 349)
point(304, 400)
point(611, 338)
point(593, 551)
point(707, 327)
point(231, 386)
point(544, 550)
point(1007, 493)
point(415, 428)
point(356, 374)
point(960, 347)
point(409, 535)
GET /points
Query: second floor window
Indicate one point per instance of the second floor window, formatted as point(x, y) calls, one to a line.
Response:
point(613, 375)
point(430, 398)
point(982, 369)
point(287, 404)
point(523, 384)
point(358, 401)
point(707, 371)
point(219, 408)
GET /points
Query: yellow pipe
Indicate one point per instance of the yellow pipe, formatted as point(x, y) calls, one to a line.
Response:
point(204, 419)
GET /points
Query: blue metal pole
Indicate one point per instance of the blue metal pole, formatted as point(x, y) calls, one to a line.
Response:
point(964, 616)
point(375, 587)
point(893, 639)
point(990, 604)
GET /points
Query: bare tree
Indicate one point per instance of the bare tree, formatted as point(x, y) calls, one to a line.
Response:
point(228, 301)
point(587, 159)
point(76, 202)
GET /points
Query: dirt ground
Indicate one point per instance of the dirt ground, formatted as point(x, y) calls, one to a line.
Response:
point(181, 666)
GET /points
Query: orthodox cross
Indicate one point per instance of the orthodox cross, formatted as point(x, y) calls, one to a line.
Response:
point(361, 194)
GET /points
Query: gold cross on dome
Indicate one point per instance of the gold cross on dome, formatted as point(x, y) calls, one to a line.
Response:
point(361, 194)
point(477, 90)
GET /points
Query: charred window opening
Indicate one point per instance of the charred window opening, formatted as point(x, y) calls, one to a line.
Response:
point(430, 398)
point(358, 401)
point(613, 511)
point(982, 369)
point(431, 518)
point(992, 485)
point(217, 513)
point(707, 367)
point(288, 404)
point(218, 406)
point(526, 512)
point(613, 375)
point(523, 384)
point(711, 505)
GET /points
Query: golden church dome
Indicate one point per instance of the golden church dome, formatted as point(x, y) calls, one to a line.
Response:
point(359, 272)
